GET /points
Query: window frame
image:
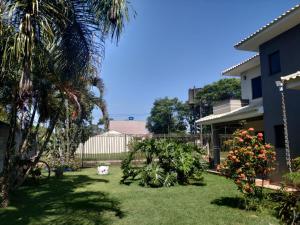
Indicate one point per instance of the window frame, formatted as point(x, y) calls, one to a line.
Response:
point(252, 89)
point(279, 143)
point(271, 70)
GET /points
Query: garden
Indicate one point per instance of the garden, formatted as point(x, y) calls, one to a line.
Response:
point(83, 197)
point(171, 186)
point(50, 55)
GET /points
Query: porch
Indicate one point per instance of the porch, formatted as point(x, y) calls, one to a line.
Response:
point(223, 125)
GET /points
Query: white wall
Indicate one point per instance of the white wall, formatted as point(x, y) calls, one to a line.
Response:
point(246, 85)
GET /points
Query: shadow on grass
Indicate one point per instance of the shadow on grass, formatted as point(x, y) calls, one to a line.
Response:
point(199, 184)
point(58, 202)
point(232, 202)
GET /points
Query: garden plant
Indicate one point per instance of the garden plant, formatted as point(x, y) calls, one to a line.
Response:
point(249, 158)
point(288, 203)
point(168, 162)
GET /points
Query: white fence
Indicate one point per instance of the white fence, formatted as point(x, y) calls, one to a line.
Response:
point(102, 147)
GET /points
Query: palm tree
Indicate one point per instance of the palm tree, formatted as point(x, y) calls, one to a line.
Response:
point(48, 49)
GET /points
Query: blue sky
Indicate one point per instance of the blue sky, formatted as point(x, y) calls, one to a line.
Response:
point(173, 45)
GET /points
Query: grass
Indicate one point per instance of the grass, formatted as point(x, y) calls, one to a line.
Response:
point(107, 156)
point(86, 198)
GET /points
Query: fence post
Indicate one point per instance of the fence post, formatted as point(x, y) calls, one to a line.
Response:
point(125, 143)
point(82, 154)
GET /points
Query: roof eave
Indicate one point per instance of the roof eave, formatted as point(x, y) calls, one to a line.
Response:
point(278, 26)
point(238, 69)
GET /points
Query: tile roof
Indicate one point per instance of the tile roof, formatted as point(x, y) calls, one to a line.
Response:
point(285, 14)
point(240, 64)
point(129, 127)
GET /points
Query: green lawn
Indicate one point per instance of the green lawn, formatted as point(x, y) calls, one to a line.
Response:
point(86, 198)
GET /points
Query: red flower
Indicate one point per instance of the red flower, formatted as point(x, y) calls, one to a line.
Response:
point(268, 146)
point(241, 140)
point(260, 135)
point(251, 129)
point(244, 132)
point(249, 136)
point(74, 115)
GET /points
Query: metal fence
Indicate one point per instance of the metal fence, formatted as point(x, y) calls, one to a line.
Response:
point(104, 147)
point(115, 147)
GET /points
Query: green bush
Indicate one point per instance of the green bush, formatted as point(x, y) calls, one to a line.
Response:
point(288, 208)
point(72, 164)
point(167, 163)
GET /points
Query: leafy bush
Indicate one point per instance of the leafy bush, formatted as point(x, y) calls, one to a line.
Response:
point(288, 208)
point(168, 162)
point(248, 159)
point(72, 164)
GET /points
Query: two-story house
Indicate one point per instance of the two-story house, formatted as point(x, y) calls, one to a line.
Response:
point(278, 46)
point(279, 49)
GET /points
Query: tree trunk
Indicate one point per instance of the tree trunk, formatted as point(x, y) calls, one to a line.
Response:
point(5, 193)
point(8, 155)
point(37, 158)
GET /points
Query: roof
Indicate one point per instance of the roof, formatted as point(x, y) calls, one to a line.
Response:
point(291, 76)
point(292, 81)
point(284, 22)
point(238, 69)
point(246, 112)
point(128, 127)
point(111, 133)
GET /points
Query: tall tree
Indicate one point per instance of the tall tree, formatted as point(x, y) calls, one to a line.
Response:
point(167, 116)
point(217, 91)
point(49, 52)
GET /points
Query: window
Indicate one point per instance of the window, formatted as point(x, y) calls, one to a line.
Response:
point(256, 87)
point(274, 63)
point(279, 136)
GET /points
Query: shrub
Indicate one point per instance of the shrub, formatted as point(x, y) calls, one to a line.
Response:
point(248, 159)
point(288, 208)
point(72, 164)
point(168, 162)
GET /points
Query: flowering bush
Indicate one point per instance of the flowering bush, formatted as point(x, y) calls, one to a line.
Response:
point(248, 159)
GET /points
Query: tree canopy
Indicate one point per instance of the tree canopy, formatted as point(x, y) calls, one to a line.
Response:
point(220, 90)
point(50, 52)
point(168, 115)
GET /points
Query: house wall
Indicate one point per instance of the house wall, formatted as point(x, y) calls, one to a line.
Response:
point(246, 85)
point(258, 125)
point(3, 137)
point(289, 47)
point(226, 106)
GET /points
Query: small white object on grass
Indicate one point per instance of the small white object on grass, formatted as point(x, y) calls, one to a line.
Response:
point(103, 170)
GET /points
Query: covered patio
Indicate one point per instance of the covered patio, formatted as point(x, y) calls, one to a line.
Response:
point(224, 124)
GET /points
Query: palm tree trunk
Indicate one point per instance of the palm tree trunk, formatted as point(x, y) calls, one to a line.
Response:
point(5, 186)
